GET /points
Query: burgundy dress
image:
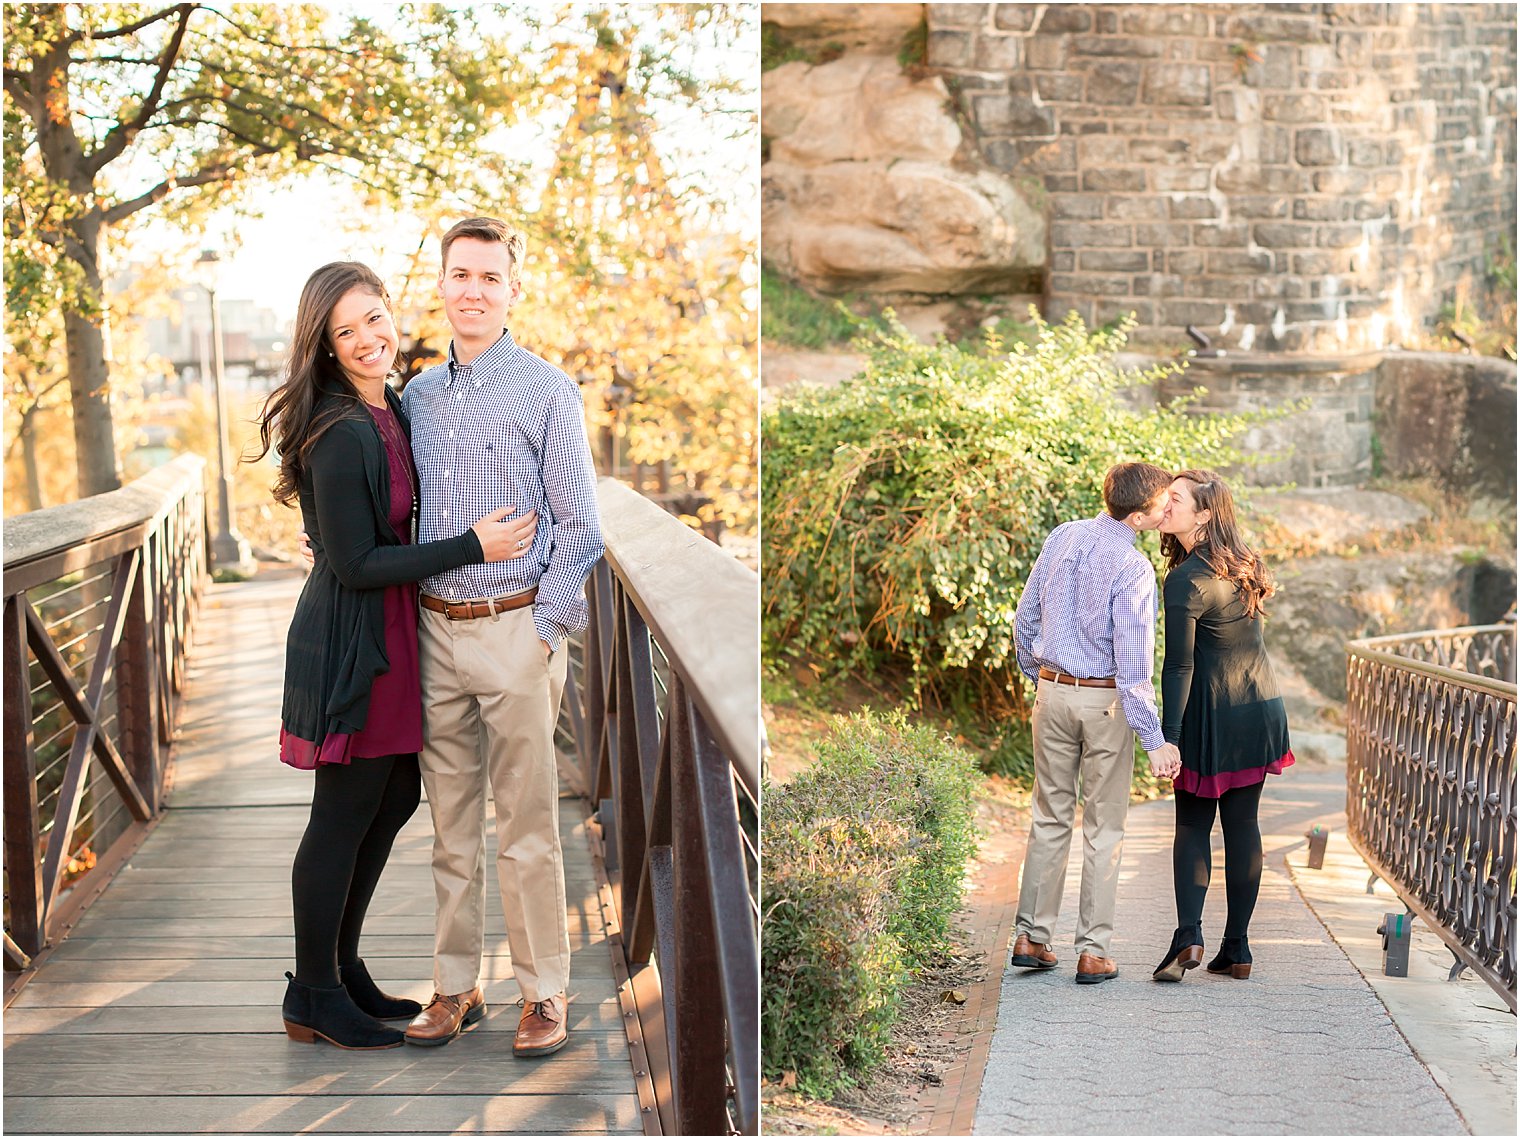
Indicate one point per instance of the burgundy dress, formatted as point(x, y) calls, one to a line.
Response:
point(394, 726)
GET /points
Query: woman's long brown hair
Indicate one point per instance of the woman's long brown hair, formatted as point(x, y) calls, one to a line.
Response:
point(289, 421)
point(1220, 545)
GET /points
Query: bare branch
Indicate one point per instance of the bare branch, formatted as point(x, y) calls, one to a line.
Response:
point(116, 141)
point(212, 172)
point(146, 21)
point(19, 84)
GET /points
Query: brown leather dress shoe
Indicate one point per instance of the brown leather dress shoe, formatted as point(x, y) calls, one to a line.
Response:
point(542, 1027)
point(1032, 954)
point(1091, 969)
point(446, 1017)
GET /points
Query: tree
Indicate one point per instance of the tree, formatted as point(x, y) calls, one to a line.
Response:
point(113, 109)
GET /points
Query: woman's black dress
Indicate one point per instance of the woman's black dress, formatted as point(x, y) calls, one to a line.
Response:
point(1219, 699)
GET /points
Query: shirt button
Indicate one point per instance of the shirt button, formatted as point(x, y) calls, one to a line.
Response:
point(445, 513)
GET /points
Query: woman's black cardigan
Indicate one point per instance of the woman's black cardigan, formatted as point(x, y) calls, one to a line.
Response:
point(336, 644)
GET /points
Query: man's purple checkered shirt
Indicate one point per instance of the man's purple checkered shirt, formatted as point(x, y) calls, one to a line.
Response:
point(1089, 610)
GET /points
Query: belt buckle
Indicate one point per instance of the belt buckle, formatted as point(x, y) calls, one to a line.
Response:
point(448, 611)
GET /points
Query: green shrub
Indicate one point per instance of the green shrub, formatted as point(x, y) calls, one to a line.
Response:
point(865, 860)
point(904, 508)
point(793, 317)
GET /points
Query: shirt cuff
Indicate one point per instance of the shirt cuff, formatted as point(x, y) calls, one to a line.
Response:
point(1152, 739)
point(549, 631)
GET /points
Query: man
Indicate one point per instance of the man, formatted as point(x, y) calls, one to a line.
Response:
point(1085, 634)
point(496, 424)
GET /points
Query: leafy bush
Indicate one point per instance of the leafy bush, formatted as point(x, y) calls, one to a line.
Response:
point(794, 317)
point(864, 867)
point(904, 508)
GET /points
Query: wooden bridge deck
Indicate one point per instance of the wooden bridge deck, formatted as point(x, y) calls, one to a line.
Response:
point(160, 1012)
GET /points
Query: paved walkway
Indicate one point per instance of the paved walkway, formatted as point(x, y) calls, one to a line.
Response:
point(160, 1013)
point(1304, 1047)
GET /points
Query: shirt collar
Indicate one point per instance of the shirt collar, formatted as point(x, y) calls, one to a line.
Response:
point(484, 362)
point(1112, 527)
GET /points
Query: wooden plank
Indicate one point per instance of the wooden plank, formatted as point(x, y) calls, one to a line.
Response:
point(197, 1020)
point(376, 948)
point(265, 927)
point(588, 962)
point(140, 994)
point(566, 1114)
point(23, 868)
point(480, 1062)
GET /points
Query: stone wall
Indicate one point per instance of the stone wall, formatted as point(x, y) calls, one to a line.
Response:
point(1304, 178)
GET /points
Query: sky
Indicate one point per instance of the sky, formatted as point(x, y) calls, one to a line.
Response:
point(305, 223)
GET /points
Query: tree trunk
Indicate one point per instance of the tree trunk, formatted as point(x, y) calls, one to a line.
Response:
point(29, 460)
point(89, 378)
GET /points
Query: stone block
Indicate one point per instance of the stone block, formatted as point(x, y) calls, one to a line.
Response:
point(1114, 260)
point(1061, 183)
point(1123, 47)
point(1294, 108)
point(1103, 149)
point(956, 15)
point(1270, 26)
point(1144, 311)
point(1063, 261)
point(1157, 284)
point(1205, 314)
point(1221, 235)
point(1059, 88)
point(1065, 18)
point(1192, 208)
point(1107, 22)
point(1275, 145)
point(1076, 235)
point(1011, 114)
point(1049, 155)
point(1157, 150)
point(1319, 264)
point(1045, 53)
point(997, 53)
point(1338, 236)
point(1365, 152)
point(1136, 207)
point(1249, 178)
point(1184, 261)
point(950, 49)
point(1178, 84)
point(1319, 146)
point(1164, 20)
point(1076, 207)
point(1258, 206)
point(1282, 235)
point(1114, 83)
point(1235, 263)
point(1002, 154)
point(1320, 209)
point(1012, 17)
point(1370, 210)
point(1162, 235)
point(1114, 178)
point(1180, 179)
point(1354, 49)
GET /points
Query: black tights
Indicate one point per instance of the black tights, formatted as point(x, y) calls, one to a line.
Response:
point(1192, 858)
point(357, 809)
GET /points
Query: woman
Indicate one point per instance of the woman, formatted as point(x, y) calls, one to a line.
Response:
point(1221, 706)
point(353, 701)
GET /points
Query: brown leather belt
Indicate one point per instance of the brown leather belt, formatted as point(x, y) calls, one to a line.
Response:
point(466, 610)
point(1077, 681)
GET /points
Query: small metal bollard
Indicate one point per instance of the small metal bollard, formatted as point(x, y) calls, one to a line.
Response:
point(1317, 837)
point(1395, 931)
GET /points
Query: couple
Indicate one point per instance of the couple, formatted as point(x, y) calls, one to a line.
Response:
point(1085, 635)
point(495, 431)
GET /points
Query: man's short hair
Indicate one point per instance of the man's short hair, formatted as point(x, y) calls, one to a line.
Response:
point(489, 229)
point(1129, 487)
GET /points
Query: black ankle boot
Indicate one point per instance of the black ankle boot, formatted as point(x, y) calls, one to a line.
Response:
point(1234, 958)
point(369, 998)
point(331, 1014)
point(1185, 952)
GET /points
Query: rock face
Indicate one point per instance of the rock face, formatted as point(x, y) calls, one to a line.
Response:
point(860, 193)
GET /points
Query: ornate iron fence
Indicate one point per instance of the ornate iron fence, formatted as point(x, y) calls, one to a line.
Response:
point(100, 595)
point(1430, 784)
point(664, 715)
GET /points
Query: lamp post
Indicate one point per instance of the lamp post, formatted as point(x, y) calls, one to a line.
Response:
point(229, 550)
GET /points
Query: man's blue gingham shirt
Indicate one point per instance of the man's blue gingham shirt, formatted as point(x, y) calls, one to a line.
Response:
point(1089, 610)
point(508, 429)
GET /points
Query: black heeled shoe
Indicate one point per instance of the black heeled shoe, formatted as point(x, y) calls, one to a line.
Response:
point(1234, 958)
point(367, 995)
point(1186, 953)
point(331, 1015)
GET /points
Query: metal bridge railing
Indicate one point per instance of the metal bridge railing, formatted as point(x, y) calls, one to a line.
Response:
point(663, 709)
point(100, 595)
point(1430, 784)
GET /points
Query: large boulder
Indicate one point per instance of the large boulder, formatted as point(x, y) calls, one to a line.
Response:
point(866, 187)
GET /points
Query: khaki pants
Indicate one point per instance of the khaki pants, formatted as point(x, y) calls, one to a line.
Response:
point(1078, 732)
point(492, 700)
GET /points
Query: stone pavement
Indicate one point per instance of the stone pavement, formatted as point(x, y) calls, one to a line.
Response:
point(1304, 1047)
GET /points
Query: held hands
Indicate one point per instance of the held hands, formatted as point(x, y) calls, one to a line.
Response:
point(1166, 761)
point(502, 539)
